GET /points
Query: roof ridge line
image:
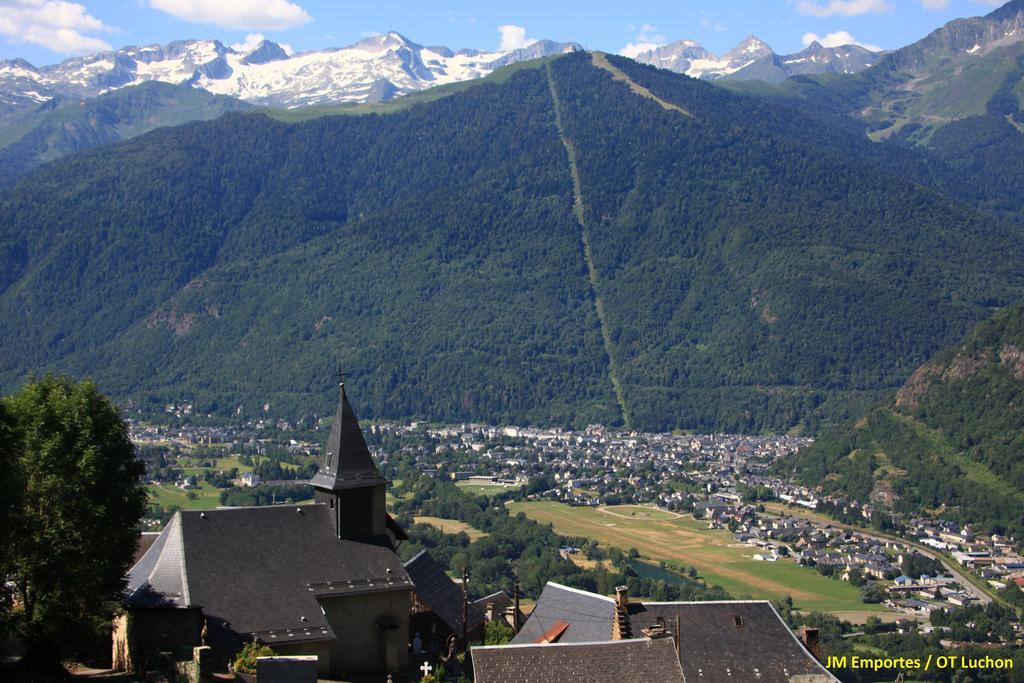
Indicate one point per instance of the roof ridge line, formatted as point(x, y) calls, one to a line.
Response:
point(549, 645)
point(580, 591)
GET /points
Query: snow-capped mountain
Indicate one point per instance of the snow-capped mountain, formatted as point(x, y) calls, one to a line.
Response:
point(753, 59)
point(374, 69)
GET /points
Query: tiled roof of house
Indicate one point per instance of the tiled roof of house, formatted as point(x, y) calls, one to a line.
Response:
point(722, 641)
point(731, 640)
point(623, 661)
point(502, 602)
point(590, 616)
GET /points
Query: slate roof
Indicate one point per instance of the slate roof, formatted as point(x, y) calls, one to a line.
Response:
point(723, 641)
point(259, 571)
point(146, 539)
point(590, 616)
point(732, 640)
point(346, 462)
point(623, 661)
point(502, 601)
point(435, 588)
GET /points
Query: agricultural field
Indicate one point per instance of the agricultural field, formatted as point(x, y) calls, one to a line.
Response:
point(450, 526)
point(660, 535)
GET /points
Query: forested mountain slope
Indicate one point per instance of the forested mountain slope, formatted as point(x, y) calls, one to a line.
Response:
point(951, 441)
point(736, 266)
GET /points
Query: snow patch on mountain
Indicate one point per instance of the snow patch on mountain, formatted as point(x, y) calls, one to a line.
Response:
point(753, 59)
point(378, 67)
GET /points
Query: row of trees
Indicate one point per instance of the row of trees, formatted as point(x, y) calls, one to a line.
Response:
point(70, 502)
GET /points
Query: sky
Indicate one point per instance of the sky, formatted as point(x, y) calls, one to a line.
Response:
point(48, 31)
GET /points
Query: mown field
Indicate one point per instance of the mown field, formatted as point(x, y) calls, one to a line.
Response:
point(450, 526)
point(481, 489)
point(661, 535)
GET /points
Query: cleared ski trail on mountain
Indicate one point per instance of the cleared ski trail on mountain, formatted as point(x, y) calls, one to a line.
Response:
point(593, 275)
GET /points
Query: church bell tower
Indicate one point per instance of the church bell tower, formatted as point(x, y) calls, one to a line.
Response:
point(348, 481)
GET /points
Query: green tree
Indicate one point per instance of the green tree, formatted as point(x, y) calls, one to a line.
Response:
point(10, 492)
point(497, 633)
point(74, 533)
point(872, 593)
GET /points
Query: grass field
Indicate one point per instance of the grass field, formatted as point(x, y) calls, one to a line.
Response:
point(478, 489)
point(389, 496)
point(661, 535)
point(580, 560)
point(450, 526)
point(166, 495)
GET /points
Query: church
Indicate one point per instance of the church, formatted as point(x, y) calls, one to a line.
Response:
point(317, 579)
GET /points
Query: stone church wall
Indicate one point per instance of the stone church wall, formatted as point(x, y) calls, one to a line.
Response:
point(372, 632)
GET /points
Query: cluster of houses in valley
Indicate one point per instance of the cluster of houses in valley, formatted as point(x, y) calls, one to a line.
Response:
point(254, 436)
point(842, 553)
point(994, 557)
point(720, 478)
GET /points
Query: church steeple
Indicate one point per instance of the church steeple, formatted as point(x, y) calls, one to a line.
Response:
point(346, 463)
point(348, 481)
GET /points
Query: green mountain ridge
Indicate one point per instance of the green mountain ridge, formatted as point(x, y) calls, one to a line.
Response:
point(950, 441)
point(958, 93)
point(434, 253)
point(57, 129)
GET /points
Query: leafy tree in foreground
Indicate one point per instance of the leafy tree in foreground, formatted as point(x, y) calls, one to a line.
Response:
point(9, 494)
point(74, 532)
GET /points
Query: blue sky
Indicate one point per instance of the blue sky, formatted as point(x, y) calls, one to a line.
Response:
point(47, 31)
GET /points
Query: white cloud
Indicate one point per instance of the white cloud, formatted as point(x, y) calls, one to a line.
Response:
point(710, 23)
point(267, 15)
point(837, 39)
point(935, 4)
point(54, 24)
point(513, 37)
point(253, 40)
point(846, 8)
point(648, 39)
point(633, 49)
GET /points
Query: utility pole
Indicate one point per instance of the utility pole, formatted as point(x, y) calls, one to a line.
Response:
point(679, 639)
point(515, 614)
point(465, 607)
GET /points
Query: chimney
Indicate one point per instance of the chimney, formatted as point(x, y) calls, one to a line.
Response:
point(622, 597)
point(809, 636)
point(621, 628)
point(489, 611)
